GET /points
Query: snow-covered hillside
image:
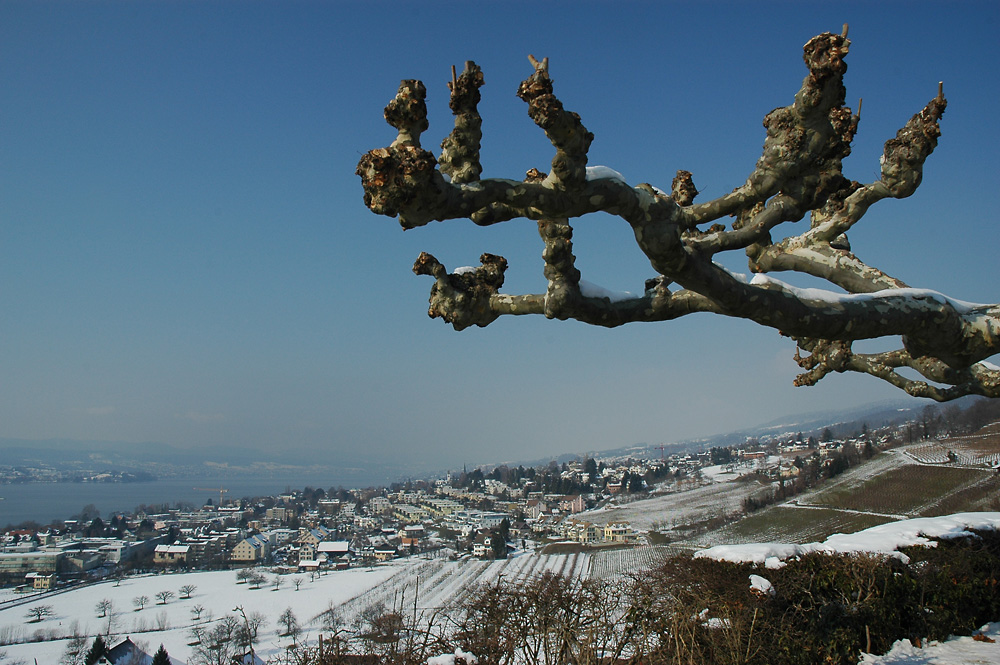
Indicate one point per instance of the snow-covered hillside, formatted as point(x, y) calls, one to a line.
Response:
point(436, 584)
point(171, 623)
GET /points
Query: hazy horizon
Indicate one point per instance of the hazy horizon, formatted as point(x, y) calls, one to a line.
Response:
point(186, 258)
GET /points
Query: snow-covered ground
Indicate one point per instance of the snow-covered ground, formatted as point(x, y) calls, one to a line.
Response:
point(217, 592)
point(981, 650)
point(436, 583)
point(882, 539)
point(676, 509)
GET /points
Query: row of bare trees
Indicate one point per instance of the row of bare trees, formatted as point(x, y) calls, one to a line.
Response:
point(256, 579)
point(235, 635)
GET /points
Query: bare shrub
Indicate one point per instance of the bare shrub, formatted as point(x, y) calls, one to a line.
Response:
point(162, 620)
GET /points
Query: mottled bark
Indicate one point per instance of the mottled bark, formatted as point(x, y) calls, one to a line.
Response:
point(798, 173)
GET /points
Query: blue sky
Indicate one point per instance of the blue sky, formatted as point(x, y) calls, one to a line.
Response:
point(185, 256)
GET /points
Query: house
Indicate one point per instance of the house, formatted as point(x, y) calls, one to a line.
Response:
point(620, 532)
point(411, 534)
point(313, 536)
point(329, 506)
point(208, 550)
point(571, 504)
point(309, 565)
point(171, 555)
point(385, 553)
point(485, 541)
point(579, 531)
point(279, 514)
point(410, 514)
point(334, 551)
point(534, 508)
point(254, 549)
point(41, 582)
point(308, 541)
point(482, 545)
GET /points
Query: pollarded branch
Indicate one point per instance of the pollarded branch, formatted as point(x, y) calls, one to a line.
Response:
point(460, 150)
point(799, 173)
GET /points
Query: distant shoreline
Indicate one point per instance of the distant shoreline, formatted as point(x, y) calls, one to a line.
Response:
point(45, 502)
point(59, 481)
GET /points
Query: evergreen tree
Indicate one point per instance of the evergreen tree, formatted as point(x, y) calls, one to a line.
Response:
point(161, 657)
point(97, 650)
point(498, 544)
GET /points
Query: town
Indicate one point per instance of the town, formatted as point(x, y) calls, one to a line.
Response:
point(482, 513)
point(359, 553)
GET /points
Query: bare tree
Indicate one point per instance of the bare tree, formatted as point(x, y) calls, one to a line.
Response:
point(76, 650)
point(331, 618)
point(162, 620)
point(217, 646)
point(799, 173)
point(38, 612)
point(103, 607)
point(276, 582)
point(196, 634)
point(164, 596)
point(111, 625)
point(196, 612)
point(140, 602)
point(246, 634)
point(256, 579)
point(297, 581)
point(290, 623)
point(187, 590)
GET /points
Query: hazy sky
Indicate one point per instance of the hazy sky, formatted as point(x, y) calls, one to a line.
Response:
point(185, 256)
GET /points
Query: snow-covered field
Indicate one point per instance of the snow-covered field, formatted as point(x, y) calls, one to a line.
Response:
point(677, 509)
point(170, 624)
point(981, 650)
point(438, 585)
point(966, 451)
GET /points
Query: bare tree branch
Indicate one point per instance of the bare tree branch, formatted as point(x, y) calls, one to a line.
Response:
point(799, 173)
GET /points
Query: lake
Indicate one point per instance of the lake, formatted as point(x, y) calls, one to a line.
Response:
point(44, 502)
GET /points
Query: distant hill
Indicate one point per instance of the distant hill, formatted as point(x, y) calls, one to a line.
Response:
point(842, 422)
point(166, 461)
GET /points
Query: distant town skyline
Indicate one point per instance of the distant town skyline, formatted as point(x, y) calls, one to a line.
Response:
point(185, 256)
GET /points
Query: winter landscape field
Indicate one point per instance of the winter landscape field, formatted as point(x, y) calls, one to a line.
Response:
point(170, 608)
point(430, 586)
point(434, 585)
